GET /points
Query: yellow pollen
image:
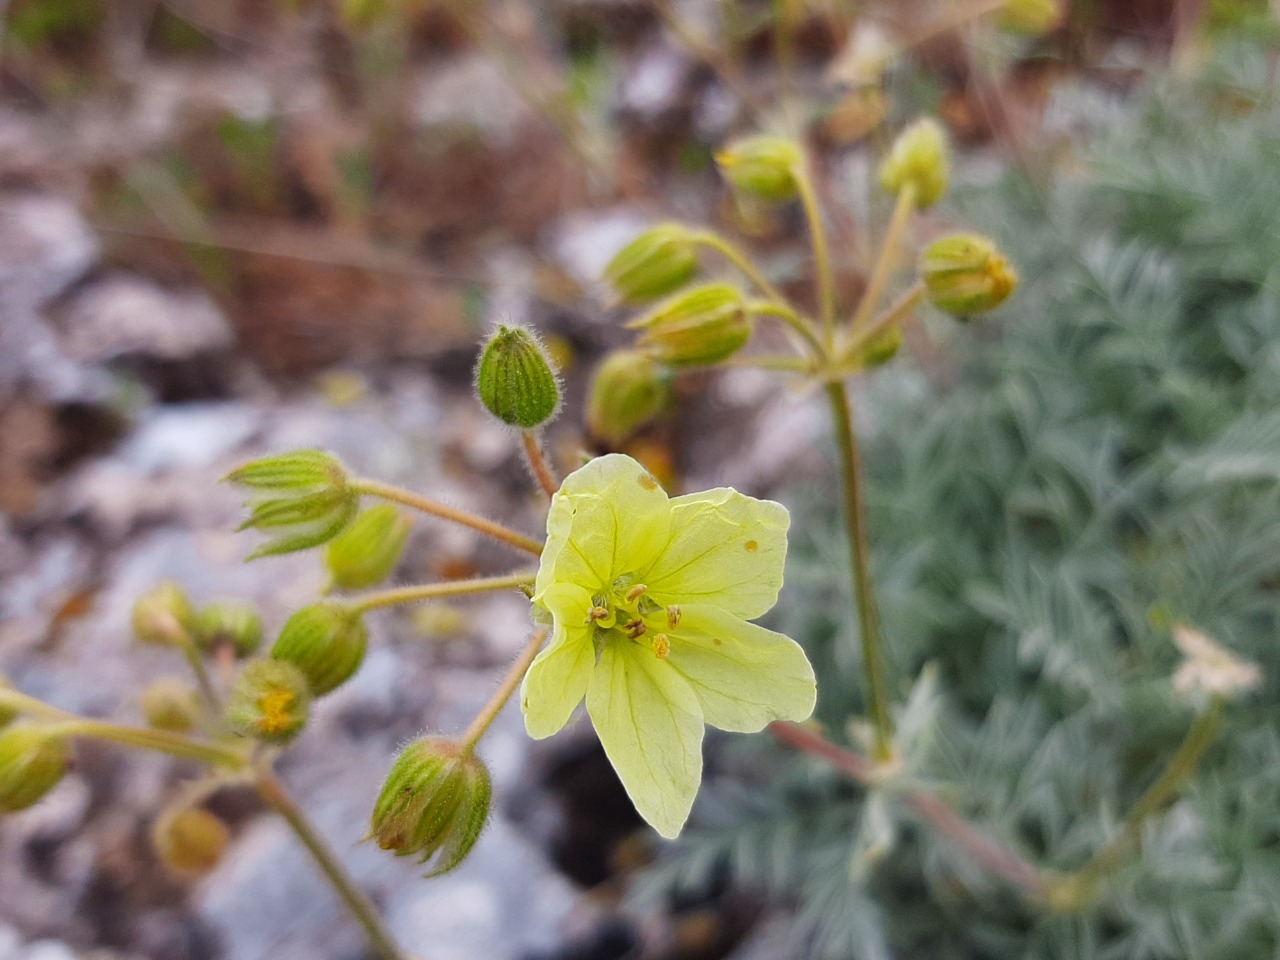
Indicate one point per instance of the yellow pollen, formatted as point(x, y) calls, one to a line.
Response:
point(635, 592)
point(597, 613)
point(661, 646)
point(673, 616)
point(635, 629)
point(274, 708)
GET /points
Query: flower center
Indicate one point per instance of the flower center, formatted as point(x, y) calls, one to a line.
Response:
point(624, 613)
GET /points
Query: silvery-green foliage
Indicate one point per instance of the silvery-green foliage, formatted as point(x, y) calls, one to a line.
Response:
point(1103, 465)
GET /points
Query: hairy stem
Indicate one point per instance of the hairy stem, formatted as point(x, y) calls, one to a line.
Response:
point(489, 712)
point(860, 555)
point(903, 207)
point(538, 463)
point(433, 591)
point(386, 491)
point(144, 738)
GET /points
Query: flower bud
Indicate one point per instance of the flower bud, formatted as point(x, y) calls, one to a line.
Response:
point(700, 326)
point(1034, 18)
point(434, 804)
point(515, 381)
point(763, 166)
point(229, 623)
point(163, 616)
point(7, 714)
point(326, 641)
point(190, 840)
point(919, 158)
point(302, 499)
point(883, 347)
point(629, 389)
point(170, 704)
point(270, 701)
point(366, 552)
point(32, 762)
point(964, 273)
point(658, 262)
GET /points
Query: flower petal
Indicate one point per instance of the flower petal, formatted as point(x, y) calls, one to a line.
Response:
point(557, 681)
point(608, 518)
point(727, 549)
point(650, 726)
point(743, 675)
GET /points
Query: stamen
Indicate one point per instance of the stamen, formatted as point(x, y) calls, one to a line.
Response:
point(661, 646)
point(597, 613)
point(673, 616)
point(634, 593)
point(635, 629)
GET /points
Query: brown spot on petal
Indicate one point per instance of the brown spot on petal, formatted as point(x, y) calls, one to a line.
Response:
point(751, 546)
point(717, 641)
point(647, 481)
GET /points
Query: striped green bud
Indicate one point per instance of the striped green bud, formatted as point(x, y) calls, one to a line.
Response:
point(698, 327)
point(964, 273)
point(659, 261)
point(919, 157)
point(326, 641)
point(300, 499)
point(365, 553)
point(763, 167)
point(270, 701)
point(229, 623)
point(32, 762)
point(515, 381)
point(190, 840)
point(628, 390)
point(170, 704)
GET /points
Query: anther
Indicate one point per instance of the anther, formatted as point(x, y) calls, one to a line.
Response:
point(634, 593)
point(635, 629)
point(661, 646)
point(597, 613)
point(673, 616)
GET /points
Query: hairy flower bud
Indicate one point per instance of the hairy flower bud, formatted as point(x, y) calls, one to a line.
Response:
point(658, 262)
point(229, 623)
point(163, 616)
point(32, 762)
point(698, 327)
point(964, 274)
point(366, 552)
point(326, 641)
point(434, 804)
point(919, 157)
point(170, 704)
point(270, 701)
point(763, 166)
point(190, 840)
point(1033, 18)
point(629, 389)
point(300, 499)
point(515, 381)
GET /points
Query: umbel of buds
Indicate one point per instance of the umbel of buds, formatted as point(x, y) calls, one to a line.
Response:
point(964, 274)
point(270, 702)
point(630, 388)
point(32, 761)
point(697, 327)
point(170, 704)
point(918, 158)
point(366, 552)
point(763, 167)
point(434, 804)
point(190, 840)
point(229, 623)
point(326, 641)
point(658, 262)
point(300, 499)
point(515, 381)
point(163, 616)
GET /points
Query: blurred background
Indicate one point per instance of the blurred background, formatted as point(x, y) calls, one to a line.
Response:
point(229, 228)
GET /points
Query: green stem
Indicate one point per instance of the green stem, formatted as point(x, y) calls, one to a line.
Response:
point(489, 712)
point(774, 308)
point(740, 260)
point(386, 491)
point(903, 207)
point(11, 699)
point(144, 738)
point(276, 795)
point(433, 591)
point(856, 530)
point(891, 316)
point(207, 690)
point(825, 279)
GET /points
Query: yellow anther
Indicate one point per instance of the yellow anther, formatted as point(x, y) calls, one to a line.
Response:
point(673, 616)
point(661, 646)
point(597, 613)
point(635, 629)
point(635, 592)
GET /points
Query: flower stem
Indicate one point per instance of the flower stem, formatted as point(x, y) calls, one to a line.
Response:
point(432, 591)
point(489, 712)
point(208, 691)
point(276, 795)
point(781, 310)
point(825, 279)
point(892, 315)
point(538, 463)
point(740, 260)
point(902, 210)
point(386, 491)
point(860, 555)
point(144, 738)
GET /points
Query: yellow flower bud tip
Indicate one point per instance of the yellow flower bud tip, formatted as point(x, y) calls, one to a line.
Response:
point(270, 702)
point(1033, 18)
point(163, 616)
point(229, 623)
point(190, 841)
point(366, 552)
point(698, 327)
point(965, 274)
point(433, 805)
point(326, 641)
point(919, 158)
point(654, 264)
point(763, 167)
point(301, 499)
point(630, 388)
point(32, 762)
point(170, 704)
point(515, 381)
